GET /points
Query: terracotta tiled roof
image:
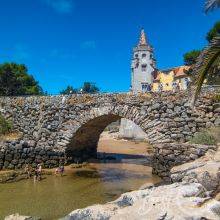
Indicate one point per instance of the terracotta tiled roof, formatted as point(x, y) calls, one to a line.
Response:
point(157, 77)
point(180, 71)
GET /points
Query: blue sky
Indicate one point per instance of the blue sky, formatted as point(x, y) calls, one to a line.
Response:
point(67, 42)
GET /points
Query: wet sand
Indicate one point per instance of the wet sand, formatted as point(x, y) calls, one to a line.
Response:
point(109, 145)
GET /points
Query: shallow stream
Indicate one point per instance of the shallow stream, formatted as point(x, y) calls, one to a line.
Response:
point(55, 197)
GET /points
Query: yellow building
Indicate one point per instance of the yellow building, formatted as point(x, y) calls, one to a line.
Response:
point(172, 79)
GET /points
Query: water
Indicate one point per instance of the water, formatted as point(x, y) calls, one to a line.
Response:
point(55, 197)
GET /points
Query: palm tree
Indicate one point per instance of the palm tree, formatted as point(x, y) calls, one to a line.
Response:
point(209, 57)
point(211, 5)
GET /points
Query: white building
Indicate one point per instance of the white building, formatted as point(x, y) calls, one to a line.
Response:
point(142, 77)
point(142, 66)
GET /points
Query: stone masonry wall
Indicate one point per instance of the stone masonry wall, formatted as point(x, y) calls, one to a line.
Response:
point(169, 155)
point(15, 154)
point(54, 127)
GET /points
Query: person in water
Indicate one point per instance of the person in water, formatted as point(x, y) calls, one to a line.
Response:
point(28, 170)
point(39, 171)
point(59, 170)
point(35, 174)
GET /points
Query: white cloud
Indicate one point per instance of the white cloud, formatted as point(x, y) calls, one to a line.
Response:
point(61, 6)
point(88, 45)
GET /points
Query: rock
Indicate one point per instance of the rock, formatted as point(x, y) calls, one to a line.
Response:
point(205, 171)
point(170, 105)
point(156, 106)
point(217, 121)
point(168, 155)
point(177, 109)
point(20, 217)
point(176, 201)
point(217, 110)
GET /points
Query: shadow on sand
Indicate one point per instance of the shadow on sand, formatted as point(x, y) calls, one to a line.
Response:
point(124, 158)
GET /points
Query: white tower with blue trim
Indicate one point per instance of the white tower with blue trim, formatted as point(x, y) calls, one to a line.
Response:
point(142, 66)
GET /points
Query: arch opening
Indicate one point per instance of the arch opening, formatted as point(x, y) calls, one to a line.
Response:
point(83, 144)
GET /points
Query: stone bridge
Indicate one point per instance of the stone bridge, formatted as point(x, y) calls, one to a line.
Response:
point(54, 127)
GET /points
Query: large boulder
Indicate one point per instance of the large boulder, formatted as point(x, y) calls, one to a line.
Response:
point(176, 201)
point(205, 171)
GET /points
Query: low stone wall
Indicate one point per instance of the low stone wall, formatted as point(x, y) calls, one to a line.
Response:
point(15, 154)
point(169, 155)
point(205, 170)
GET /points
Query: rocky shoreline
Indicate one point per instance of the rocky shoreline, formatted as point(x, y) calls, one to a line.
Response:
point(191, 196)
point(176, 201)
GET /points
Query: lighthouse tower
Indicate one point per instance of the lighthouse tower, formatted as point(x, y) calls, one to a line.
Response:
point(142, 66)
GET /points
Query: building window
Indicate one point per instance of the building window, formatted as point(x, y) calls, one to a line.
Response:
point(144, 68)
point(136, 55)
point(146, 87)
point(144, 55)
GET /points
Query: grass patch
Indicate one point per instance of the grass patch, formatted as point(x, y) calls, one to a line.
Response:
point(5, 126)
point(207, 137)
point(78, 165)
point(6, 133)
point(216, 97)
point(215, 132)
point(12, 136)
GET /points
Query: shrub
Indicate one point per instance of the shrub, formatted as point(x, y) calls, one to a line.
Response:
point(203, 137)
point(216, 97)
point(5, 126)
point(215, 132)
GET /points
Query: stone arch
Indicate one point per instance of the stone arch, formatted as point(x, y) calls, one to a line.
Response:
point(84, 141)
point(81, 135)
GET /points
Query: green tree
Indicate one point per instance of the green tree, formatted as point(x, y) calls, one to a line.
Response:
point(191, 57)
point(15, 80)
point(215, 31)
point(69, 90)
point(89, 87)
